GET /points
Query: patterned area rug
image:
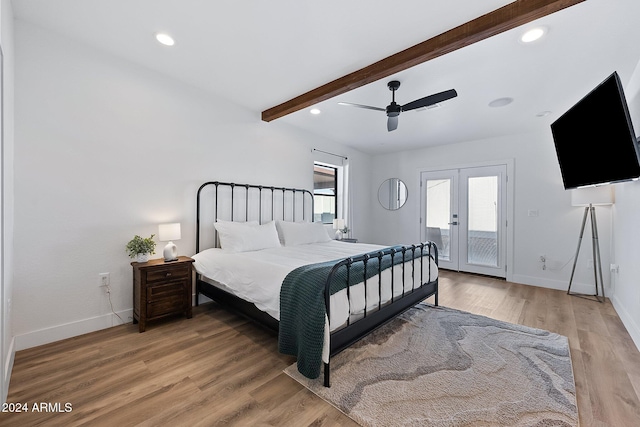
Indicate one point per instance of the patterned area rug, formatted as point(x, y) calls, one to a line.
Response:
point(435, 366)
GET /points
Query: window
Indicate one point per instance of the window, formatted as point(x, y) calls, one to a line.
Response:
point(325, 193)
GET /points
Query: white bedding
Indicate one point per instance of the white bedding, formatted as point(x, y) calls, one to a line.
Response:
point(256, 276)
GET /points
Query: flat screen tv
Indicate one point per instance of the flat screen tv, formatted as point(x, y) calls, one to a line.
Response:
point(594, 139)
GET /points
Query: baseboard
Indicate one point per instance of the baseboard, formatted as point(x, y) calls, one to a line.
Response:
point(73, 329)
point(632, 327)
point(203, 299)
point(69, 330)
point(8, 367)
point(560, 285)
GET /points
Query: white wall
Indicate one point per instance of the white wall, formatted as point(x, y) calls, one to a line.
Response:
point(6, 168)
point(626, 299)
point(626, 236)
point(106, 149)
point(537, 185)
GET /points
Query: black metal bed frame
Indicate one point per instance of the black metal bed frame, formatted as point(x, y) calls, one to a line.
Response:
point(354, 330)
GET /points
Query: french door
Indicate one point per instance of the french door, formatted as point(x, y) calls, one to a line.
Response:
point(464, 213)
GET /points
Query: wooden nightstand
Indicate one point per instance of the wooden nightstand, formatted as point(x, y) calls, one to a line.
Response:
point(161, 289)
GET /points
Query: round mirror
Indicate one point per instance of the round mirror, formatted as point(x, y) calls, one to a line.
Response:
point(392, 194)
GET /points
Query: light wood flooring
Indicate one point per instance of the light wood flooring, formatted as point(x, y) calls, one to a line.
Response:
point(219, 369)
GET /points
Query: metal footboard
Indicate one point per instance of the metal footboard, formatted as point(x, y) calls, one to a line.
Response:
point(374, 317)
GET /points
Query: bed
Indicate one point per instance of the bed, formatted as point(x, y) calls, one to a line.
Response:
point(259, 253)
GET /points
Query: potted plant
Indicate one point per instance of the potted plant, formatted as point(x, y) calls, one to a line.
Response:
point(141, 248)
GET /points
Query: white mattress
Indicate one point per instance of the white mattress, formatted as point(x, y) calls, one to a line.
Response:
point(256, 276)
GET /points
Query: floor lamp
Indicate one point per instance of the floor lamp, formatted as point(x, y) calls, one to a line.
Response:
point(590, 197)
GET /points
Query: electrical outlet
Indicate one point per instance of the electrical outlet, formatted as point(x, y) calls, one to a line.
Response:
point(105, 279)
point(543, 260)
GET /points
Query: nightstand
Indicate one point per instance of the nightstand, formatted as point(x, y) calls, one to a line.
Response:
point(161, 289)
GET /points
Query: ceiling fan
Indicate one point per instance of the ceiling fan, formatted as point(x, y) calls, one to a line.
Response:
point(393, 110)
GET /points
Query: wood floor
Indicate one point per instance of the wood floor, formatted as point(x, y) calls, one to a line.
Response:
point(218, 369)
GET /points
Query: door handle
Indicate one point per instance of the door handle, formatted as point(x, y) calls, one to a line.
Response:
point(453, 223)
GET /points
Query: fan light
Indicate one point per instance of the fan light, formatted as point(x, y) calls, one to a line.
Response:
point(165, 39)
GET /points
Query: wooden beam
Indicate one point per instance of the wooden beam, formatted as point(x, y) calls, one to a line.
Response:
point(503, 19)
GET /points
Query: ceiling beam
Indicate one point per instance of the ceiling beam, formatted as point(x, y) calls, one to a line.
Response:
point(503, 19)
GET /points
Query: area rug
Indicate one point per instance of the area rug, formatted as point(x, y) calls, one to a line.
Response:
point(435, 366)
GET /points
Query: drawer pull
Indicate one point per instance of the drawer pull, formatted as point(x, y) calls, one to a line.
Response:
point(168, 274)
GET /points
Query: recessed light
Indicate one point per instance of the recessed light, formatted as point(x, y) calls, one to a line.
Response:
point(314, 111)
point(533, 34)
point(165, 39)
point(543, 113)
point(500, 102)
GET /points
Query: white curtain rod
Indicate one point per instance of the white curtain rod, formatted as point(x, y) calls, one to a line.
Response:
point(331, 154)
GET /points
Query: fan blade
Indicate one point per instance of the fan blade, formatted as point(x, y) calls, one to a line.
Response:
point(392, 123)
point(430, 100)
point(368, 107)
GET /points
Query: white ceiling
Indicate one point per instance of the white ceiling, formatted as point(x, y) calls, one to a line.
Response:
point(260, 53)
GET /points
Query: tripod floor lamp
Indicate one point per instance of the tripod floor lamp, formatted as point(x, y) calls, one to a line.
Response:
point(591, 197)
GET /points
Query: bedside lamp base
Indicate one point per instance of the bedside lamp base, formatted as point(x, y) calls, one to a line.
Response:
point(170, 252)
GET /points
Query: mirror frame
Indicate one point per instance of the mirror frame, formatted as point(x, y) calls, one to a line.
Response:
point(383, 198)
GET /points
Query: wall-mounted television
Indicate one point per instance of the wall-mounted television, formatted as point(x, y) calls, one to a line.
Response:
point(595, 141)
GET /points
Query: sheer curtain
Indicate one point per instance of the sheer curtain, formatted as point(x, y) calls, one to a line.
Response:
point(346, 193)
point(344, 186)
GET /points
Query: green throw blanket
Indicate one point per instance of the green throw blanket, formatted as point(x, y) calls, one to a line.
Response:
point(302, 306)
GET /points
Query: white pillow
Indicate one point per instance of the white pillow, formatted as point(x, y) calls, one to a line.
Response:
point(247, 236)
point(301, 233)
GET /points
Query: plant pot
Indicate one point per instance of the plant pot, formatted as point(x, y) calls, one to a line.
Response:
point(143, 257)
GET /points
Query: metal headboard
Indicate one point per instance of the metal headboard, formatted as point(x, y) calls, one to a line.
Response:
point(289, 204)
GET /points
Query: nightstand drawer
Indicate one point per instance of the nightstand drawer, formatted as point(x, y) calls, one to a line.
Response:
point(162, 275)
point(173, 290)
point(165, 306)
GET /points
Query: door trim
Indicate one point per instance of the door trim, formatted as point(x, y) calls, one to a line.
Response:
point(510, 165)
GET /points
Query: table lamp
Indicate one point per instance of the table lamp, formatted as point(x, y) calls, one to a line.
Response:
point(168, 233)
point(339, 226)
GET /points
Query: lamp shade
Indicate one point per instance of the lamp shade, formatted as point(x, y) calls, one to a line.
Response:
point(602, 195)
point(338, 224)
point(168, 232)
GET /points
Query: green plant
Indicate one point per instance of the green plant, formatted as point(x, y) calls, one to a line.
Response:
point(139, 245)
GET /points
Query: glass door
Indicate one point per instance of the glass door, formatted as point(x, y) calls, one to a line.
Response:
point(465, 215)
point(483, 225)
point(440, 189)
